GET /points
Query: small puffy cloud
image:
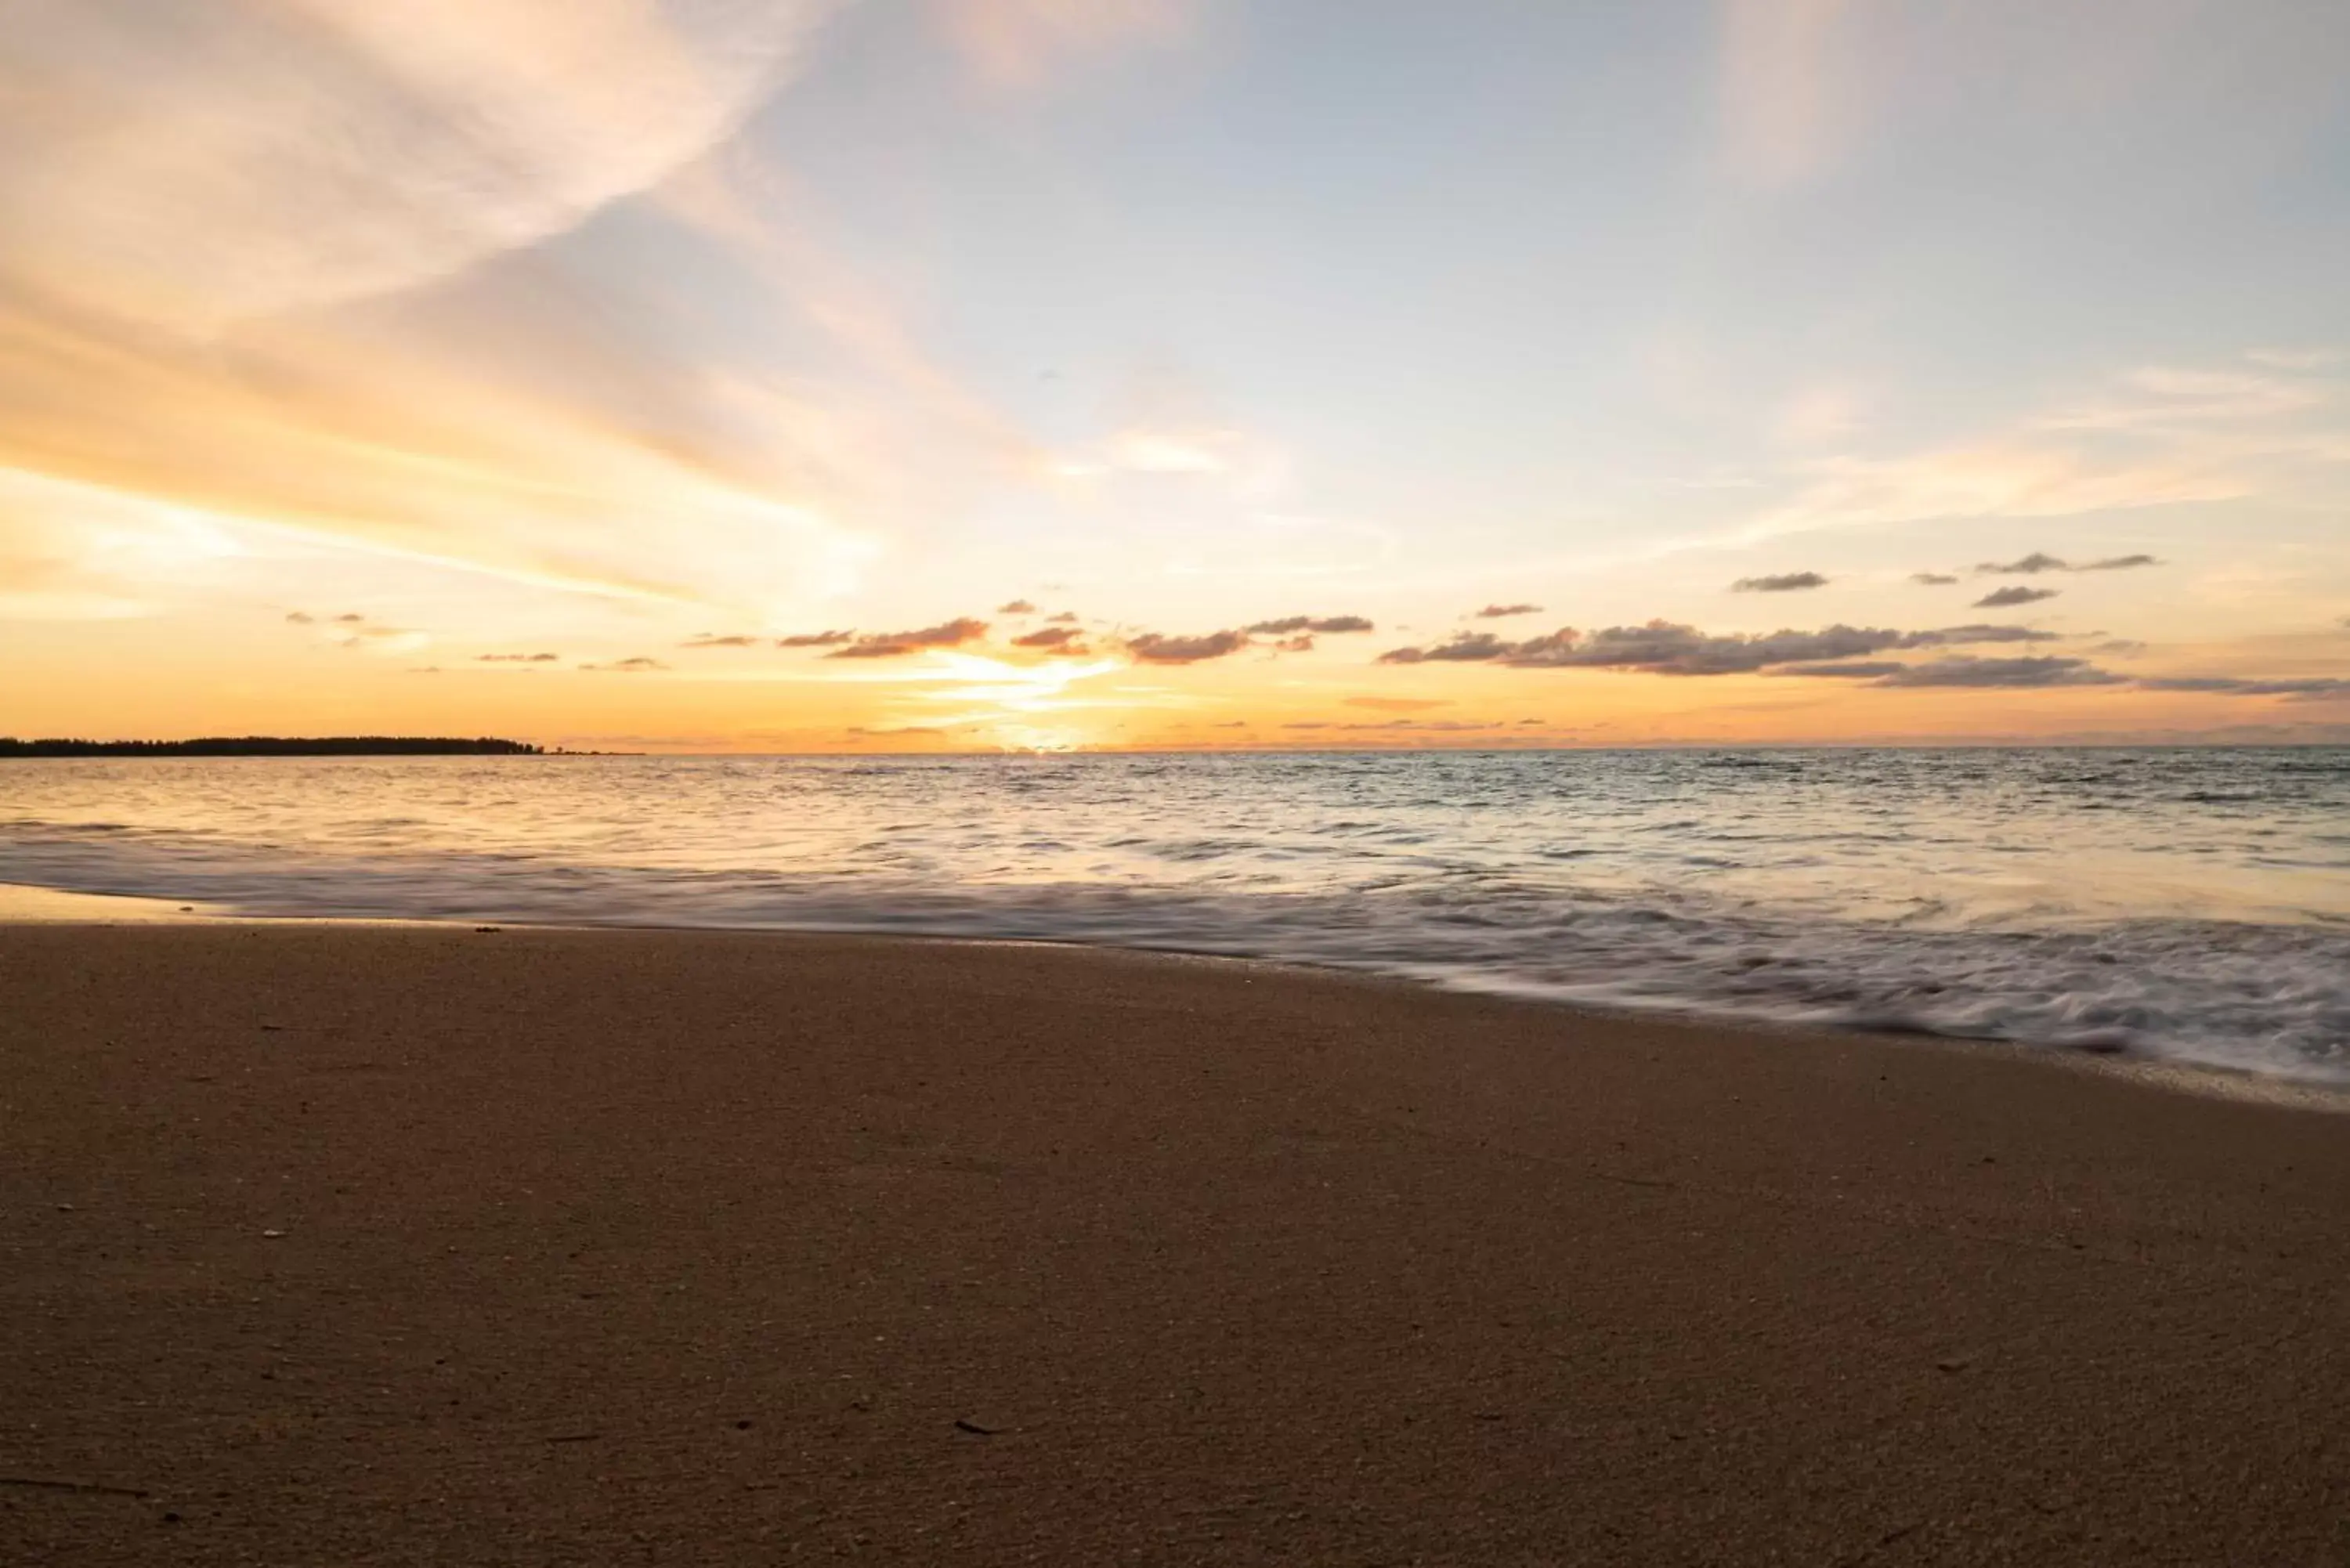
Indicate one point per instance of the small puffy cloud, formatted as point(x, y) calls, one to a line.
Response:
point(1018, 606)
point(1289, 626)
point(2029, 565)
point(1066, 618)
point(1498, 612)
point(639, 665)
point(516, 657)
point(1302, 643)
point(893, 644)
point(1932, 579)
point(2005, 598)
point(737, 640)
point(816, 640)
point(1156, 648)
point(1965, 671)
point(1056, 640)
point(1779, 583)
point(1161, 650)
point(298, 618)
point(349, 619)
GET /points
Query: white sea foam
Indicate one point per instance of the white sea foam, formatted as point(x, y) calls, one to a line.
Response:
point(2194, 906)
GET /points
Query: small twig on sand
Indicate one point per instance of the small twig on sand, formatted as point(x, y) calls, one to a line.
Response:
point(91, 1488)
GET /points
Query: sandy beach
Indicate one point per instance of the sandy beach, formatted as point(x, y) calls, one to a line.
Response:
point(373, 1245)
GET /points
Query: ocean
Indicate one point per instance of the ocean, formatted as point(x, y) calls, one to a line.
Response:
point(2192, 904)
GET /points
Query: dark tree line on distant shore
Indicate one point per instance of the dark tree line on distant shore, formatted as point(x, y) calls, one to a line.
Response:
point(274, 746)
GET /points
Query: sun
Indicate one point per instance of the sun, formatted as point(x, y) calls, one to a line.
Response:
point(1036, 739)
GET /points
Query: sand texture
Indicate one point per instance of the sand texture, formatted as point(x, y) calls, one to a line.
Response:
point(326, 1246)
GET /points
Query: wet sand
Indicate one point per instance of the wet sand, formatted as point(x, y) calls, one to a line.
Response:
point(348, 1245)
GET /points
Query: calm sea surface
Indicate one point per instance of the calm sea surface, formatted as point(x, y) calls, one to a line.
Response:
point(2192, 904)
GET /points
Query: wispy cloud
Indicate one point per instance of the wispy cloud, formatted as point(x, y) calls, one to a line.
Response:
point(2007, 480)
point(312, 280)
point(260, 160)
point(70, 551)
point(2164, 398)
point(2040, 561)
point(2307, 688)
point(2295, 359)
point(1820, 416)
point(1177, 450)
point(1780, 583)
point(1019, 44)
point(1500, 612)
point(1399, 704)
point(1786, 106)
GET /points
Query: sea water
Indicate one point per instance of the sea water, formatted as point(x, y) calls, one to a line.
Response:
point(2192, 904)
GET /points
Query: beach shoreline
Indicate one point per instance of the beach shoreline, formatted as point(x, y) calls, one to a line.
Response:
point(376, 1243)
point(24, 904)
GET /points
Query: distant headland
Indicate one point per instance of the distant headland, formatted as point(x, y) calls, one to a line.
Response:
point(276, 746)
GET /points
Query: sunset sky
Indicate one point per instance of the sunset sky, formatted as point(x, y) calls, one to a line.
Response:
point(780, 375)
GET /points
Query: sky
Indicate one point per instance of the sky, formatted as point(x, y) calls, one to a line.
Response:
point(950, 374)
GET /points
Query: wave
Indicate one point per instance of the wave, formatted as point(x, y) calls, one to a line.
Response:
point(2261, 997)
